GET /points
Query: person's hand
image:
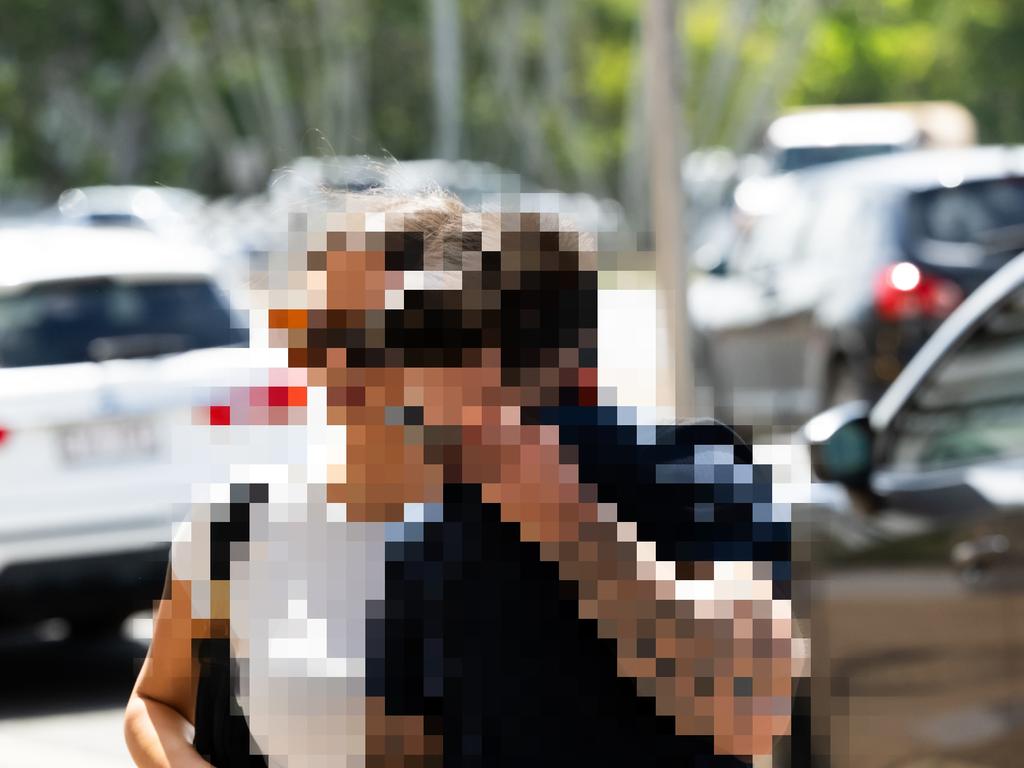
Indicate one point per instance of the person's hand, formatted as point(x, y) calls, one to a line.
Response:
point(723, 661)
point(535, 487)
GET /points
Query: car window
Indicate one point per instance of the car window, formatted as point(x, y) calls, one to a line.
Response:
point(81, 320)
point(797, 158)
point(852, 233)
point(971, 408)
point(776, 238)
point(832, 225)
point(989, 214)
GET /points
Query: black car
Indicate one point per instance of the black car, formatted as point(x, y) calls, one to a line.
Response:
point(916, 630)
point(834, 289)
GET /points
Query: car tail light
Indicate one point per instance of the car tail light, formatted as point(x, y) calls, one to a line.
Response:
point(4, 434)
point(904, 292)
point(220, 415)
point(255, 405)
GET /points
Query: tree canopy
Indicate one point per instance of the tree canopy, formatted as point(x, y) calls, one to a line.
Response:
point(213, 93)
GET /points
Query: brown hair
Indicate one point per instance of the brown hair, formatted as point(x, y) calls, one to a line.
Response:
point(518, 282)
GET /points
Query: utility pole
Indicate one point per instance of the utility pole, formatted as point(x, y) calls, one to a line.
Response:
point(447, 74)
point(662, 79)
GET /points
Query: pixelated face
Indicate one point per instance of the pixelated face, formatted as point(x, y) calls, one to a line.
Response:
point(427, 338)
point(402, 421)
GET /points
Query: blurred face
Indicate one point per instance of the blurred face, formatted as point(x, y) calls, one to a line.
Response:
point(403, 425)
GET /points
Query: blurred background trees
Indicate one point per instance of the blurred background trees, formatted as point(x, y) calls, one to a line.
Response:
point(896, 50)
point(212, 94)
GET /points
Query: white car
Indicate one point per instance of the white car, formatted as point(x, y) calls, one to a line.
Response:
point(107, 340)
point(166, 210)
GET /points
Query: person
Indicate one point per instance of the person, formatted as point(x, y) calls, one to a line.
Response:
point(500, 567)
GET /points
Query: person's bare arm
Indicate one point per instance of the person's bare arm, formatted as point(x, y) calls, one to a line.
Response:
point(720, 664)
point(158, 722)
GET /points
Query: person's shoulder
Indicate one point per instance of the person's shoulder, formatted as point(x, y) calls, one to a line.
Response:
point(696, 429)
point(613, 432)
point(696, 439)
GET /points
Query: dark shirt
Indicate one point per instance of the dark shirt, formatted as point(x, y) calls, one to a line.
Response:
point(481, 636)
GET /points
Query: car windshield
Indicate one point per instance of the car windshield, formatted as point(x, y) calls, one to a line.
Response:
point(82, 320)
point(985, 213)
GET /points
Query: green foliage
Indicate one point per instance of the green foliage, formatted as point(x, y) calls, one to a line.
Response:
point(886, 50)
point(177, 91)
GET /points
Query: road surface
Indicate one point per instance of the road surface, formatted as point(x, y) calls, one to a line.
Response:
point(61, 701)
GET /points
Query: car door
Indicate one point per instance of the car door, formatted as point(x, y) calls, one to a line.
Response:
point(736, 311)
point(920, 635)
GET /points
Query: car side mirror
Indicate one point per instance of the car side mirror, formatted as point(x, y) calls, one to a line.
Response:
point(841, 444)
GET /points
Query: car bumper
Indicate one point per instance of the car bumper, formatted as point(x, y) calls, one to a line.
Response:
point(82, 587)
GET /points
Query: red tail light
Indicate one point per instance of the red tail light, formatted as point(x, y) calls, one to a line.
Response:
point(904, 292)
point(220, 415)
point(255, 405)
point(4, 434)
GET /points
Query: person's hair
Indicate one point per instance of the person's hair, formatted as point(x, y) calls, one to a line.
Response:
point(519, 282)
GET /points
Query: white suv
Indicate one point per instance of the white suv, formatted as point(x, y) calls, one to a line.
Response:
point(107, 338)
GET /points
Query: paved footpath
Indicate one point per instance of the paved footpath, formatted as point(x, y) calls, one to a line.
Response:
point(81, 739)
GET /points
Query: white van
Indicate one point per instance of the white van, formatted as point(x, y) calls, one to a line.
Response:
point(814, 135)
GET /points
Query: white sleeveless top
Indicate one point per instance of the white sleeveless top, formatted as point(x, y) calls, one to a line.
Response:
point(299, 596)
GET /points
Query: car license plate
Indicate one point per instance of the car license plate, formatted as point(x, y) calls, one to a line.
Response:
point(108, 442)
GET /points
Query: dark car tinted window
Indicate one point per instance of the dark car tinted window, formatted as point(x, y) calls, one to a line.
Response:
point(77, 321)
point(971, 408)
point(797, 158)
point(986, 213)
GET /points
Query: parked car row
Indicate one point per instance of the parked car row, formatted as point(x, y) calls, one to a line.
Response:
point(879, 302)
point(916, 637)
point(855, 265)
